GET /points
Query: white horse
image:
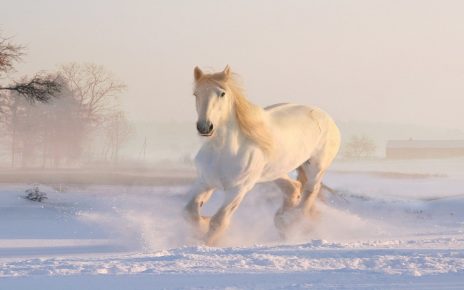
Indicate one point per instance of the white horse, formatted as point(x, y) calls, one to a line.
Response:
point(246, 144)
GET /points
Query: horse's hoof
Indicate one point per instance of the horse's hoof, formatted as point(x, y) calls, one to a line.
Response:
point(314, 213)
point(203, 224)
point(211, 241)
point(286, 219)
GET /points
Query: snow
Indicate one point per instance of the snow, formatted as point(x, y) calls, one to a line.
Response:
point(379, 230)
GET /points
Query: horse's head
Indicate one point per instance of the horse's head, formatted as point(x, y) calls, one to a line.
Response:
point(213, 100)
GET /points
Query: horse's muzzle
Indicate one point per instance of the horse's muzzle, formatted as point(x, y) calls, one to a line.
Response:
point(205, 128)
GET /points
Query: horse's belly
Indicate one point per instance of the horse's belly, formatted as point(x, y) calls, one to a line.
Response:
point(285, 163)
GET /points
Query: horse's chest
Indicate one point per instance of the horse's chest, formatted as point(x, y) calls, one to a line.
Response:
point(220, 168)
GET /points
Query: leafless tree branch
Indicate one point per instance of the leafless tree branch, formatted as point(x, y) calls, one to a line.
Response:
point(95, 87)
point(39, 88)
point(10, 53)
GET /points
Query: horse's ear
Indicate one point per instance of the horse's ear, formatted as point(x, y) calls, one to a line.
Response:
point(197, 73)
point(227, 72)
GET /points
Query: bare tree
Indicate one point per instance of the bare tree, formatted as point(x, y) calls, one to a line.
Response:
point(13, 111)
point(10, 53)
point(51, 134)
point(117, 132)
point(95, 88)
point(41, 87)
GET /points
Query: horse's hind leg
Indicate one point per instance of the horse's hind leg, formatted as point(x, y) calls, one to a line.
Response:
point(301, 177)
point(292, 190)
point(292, 195)
point(315, 168)
point(313, 173)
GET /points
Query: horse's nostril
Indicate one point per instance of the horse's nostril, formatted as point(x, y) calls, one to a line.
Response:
point(204, 127)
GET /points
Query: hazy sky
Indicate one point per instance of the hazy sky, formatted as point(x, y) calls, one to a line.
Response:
point(389, 61)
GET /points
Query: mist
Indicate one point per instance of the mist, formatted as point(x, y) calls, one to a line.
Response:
point(125, 115)
point(398, 64)
point(99, 131)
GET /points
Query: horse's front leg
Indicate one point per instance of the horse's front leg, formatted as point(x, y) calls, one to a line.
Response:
point(200, 194)
point(221, 220)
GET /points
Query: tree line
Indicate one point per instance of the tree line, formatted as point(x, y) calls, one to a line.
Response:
point(60, 119)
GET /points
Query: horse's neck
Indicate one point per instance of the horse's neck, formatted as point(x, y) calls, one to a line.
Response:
point(229, 136)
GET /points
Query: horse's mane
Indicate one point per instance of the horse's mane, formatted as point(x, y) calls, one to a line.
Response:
point(248, 115)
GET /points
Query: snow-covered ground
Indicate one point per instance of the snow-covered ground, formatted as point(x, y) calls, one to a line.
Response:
point(397, 225)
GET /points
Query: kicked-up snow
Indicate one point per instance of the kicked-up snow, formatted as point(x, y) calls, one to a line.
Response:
point(377, 230)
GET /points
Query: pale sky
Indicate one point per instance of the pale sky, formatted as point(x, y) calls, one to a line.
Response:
point(387, 61)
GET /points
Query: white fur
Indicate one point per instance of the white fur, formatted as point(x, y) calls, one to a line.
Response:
point(304, 138)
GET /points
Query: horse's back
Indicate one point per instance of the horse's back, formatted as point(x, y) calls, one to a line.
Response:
point(301, 133)
point(307, 116)
point(276, 106)
point(294, 115)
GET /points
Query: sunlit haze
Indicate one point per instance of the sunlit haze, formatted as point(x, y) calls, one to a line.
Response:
point(231, 144)
point(382, 61)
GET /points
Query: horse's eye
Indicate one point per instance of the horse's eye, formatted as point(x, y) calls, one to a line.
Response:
point(222, 94)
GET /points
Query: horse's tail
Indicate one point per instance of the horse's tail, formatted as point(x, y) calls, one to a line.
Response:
point(335, 193)
point(328, 188)
point(321, 196)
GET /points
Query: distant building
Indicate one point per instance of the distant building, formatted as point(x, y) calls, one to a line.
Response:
point(416, 149)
